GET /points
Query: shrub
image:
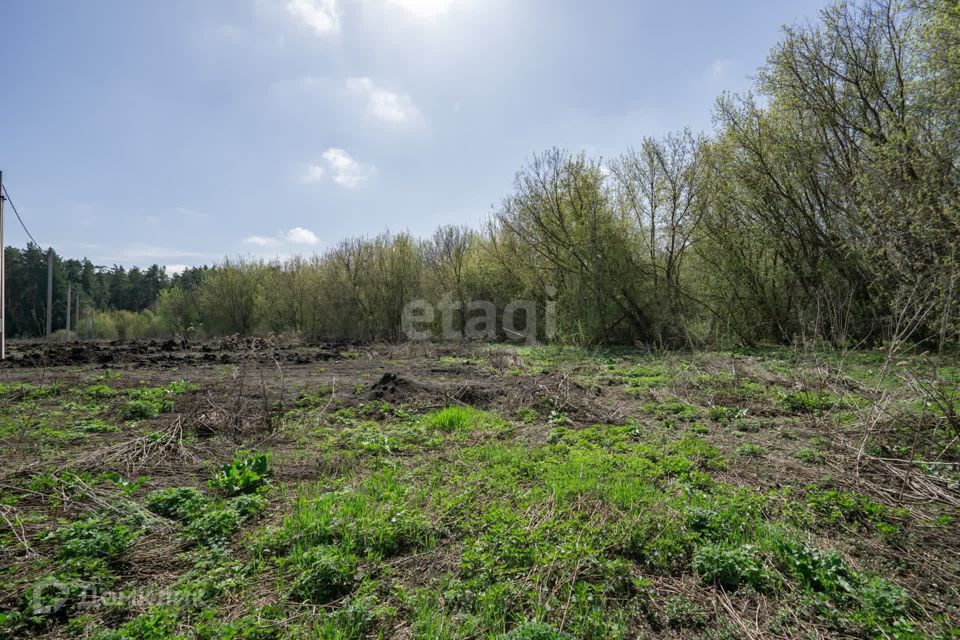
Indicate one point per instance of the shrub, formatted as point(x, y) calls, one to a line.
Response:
point(246, 473)
point(324, 573)
point(177, 503)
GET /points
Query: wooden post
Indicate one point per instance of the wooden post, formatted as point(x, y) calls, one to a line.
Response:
point(77, 323)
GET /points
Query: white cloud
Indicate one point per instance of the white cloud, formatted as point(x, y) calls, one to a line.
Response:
point(721, 66)
point(383, 104)
point(347, 172)
point(190, 213)
point(314, 173)
point(296, 235)
point(174, 269)
point(299, 235)
point(262, 241)
point(322, 16)
point(423, 9)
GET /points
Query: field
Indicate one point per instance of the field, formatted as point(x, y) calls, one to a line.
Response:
point(259, 489)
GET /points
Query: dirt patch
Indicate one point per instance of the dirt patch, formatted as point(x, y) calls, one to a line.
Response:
point(168, 353)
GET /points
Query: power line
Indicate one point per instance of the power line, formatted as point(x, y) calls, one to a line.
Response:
point(12, 206)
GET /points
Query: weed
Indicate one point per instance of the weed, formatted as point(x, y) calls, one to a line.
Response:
point(179, 503)
point(674, 408)
point(139, 410)
point(526, 415)
point(726, 414)
point(460, 419)
point(322, 574)
point(98, 391)
point(536, 631)
point(318, 398)
point(684, 613)
point(246, 473)
point(810, 456)
point(95, 425)
point(92, 541)
point(821, 571)
point(751, 425)
point(750, 449)
point(732, 567)
point(806, 401)
point(214, 527)
point(248, 505)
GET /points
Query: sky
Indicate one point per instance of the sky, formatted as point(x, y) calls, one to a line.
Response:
point(183, 131)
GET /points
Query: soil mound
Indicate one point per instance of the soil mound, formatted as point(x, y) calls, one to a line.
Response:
point(395, 389)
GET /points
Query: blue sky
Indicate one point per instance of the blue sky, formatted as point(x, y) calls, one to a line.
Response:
point(182, 131)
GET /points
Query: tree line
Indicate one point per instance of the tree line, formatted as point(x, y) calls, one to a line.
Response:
point(113, 289)
point(825, 205)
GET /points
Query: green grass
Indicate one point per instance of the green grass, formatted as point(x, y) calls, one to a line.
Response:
point(463, 419)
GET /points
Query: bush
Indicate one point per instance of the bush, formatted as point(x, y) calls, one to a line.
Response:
point(324, 573)
point(177, 503)
point(246, 473)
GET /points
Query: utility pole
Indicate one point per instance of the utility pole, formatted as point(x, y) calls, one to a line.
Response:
point(66, 338)
point(49, 293)
point(3, 280)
